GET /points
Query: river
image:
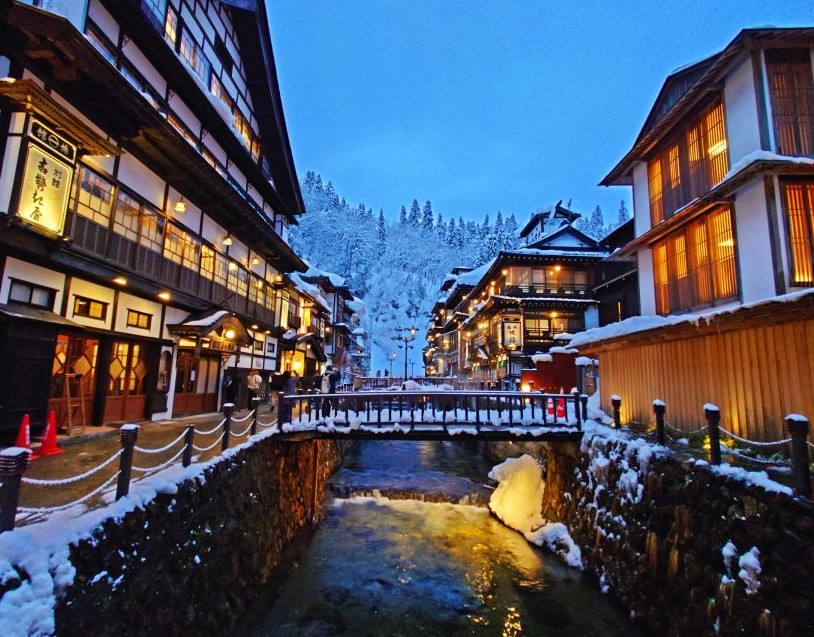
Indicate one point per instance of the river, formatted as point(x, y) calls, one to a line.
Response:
point(424, 566)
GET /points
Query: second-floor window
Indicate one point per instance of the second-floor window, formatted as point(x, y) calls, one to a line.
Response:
point(791, 89)
point(695, 266)
point(689, 165)
point(89, 308)
point(798, 198)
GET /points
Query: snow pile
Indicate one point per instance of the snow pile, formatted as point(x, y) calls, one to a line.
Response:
point(542, 358)
point(555, 536)
point(749, 564)
point(518, 499)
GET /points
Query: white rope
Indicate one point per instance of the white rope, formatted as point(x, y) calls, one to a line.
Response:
point(162, 449)
point(62, 507)
point(211, 431)
point(249, 415)
point(158, 467)
point(212, 446)
point(242, 433)
point(752, 442)
point(810, 444)
point(681, 431)
point(266, 424)
point(59, 483)
point(734, 452)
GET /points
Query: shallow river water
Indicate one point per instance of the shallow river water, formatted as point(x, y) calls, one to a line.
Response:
point(384, 567)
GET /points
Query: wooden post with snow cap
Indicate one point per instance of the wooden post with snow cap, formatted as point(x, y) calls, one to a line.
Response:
point(255, 409)
point(658, 411)
point(128, 435)
point(713, 416)
point(228, 410)
point(189, 440)
point(797, 426)
point(583, 399)
point(13, 463)
point(616, 403)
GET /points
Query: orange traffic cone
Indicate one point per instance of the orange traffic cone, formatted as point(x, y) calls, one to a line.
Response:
point(561, 408)
point(24, 435)
point(49, 441)
point(550, 406)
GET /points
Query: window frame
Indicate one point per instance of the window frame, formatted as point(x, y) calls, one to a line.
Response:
point(806, 221)
point(89, 304)
point(32, 288)
point(131, 313)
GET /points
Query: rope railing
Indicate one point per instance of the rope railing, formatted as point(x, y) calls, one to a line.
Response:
point(161, 466)
point(754, 443)
point(166, 447)
point(210, 431)
point(210, 447)
point(796, 425)
point(65, 481)
point(244, 419)
point(271, 423)
point(62, 507)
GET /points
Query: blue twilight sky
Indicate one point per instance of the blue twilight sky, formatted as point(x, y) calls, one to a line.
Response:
point(483, 105)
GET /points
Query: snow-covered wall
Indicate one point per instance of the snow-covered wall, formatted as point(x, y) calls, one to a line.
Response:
point(688, 548)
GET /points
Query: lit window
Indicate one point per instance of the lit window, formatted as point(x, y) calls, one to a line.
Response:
point(799, 204)
point(83, 306)
point(140, 320)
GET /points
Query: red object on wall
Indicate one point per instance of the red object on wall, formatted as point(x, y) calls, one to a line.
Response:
point(549, 377)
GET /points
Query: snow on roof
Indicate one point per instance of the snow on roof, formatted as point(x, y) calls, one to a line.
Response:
point(553, 252)
point(310, 289)
point(357, 306)
point(472, 277)
point(637, 324)
point(760, 155)
point(335, 279)
point(358, 331)
point(207, 320)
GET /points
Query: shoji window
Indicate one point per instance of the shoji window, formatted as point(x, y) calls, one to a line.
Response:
point(791, 89)
point(799, 203)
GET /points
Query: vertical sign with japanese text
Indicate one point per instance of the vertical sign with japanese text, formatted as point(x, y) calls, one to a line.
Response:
point(46, 180)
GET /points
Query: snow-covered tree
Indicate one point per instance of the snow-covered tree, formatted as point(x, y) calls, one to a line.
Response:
point(427, 216)
point(381, 229)
point(403, 216)
point(414, 218)
point(623, 215)
point(441, 228)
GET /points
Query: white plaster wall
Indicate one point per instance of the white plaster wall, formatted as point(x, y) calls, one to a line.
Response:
point(24, 271)
point(80, 287)
point(742, 124)
point(641, 199)
point(191, 218)
point(754, 247)
point(141, 180)
point(212, 232)
point(213, 147)
point(104, 20)
point(591, 317)
point(9, 173)
point(156, 80)
point(647, 290)
point(130, 302)
point(173, 316)
point(185, 113)
point(101, 163)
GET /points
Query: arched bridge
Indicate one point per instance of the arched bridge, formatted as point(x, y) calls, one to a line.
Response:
point(434, 415)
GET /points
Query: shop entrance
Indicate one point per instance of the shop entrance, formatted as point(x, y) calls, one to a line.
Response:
point(126, 395)
point(196, 384)
point(73, 380)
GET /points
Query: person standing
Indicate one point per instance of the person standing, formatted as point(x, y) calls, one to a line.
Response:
point(328, 386)
point(231, 387)
point(254, 383)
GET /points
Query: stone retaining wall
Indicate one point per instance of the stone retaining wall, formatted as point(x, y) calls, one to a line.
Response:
point(191, 563)
point(653, 530)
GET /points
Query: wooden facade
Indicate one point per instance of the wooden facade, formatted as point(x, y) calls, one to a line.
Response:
point(755, 364)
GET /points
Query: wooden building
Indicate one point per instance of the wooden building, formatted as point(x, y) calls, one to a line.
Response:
point(723, 192)
point(146, 191)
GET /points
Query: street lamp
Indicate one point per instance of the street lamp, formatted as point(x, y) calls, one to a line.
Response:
point(406, 335)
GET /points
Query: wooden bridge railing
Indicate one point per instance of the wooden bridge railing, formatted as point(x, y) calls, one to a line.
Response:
point(481, 410)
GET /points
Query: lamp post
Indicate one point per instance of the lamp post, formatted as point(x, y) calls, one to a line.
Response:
point(406, 335)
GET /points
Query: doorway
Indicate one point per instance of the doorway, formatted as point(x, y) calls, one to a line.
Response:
point(196, 384)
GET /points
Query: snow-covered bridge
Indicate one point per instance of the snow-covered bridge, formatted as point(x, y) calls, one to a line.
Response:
point(434, 415)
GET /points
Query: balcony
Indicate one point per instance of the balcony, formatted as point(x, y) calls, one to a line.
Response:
point(294, 321)
point(91, 239)
point(564, 291)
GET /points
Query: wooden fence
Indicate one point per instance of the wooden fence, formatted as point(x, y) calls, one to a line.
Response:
point(756, 364)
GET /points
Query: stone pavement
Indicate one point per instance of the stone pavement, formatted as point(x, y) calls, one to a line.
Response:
point(87, 451)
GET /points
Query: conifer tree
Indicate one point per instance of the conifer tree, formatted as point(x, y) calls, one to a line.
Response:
point(427, 216)
point(403, 216)
point(623, 215)
point(414, 219)
point(597, 225)
point(381, 229)
point(441, 228)
point(452, 233)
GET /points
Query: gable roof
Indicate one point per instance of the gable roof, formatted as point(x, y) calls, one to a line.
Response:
point(543, 241)
point(557, 210)
point(687, 88)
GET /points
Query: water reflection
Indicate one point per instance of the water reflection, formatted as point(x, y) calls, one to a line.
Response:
point(378, 567)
